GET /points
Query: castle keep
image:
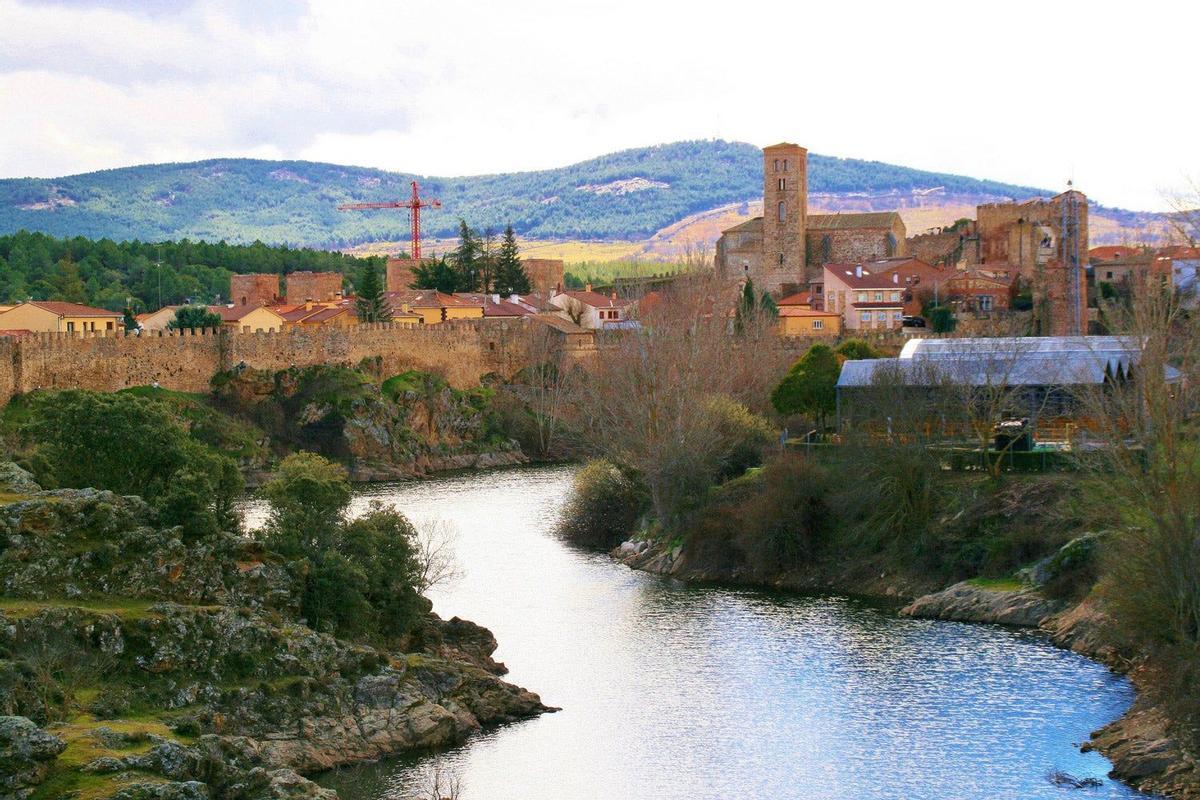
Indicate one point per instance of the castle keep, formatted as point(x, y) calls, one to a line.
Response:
point(786, 248)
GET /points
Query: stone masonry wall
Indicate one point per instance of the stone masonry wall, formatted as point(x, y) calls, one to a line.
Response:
point(318, 286)
point(256, 290)
point(463, 351)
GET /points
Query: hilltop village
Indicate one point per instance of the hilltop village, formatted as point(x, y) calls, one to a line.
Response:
point(988, 422)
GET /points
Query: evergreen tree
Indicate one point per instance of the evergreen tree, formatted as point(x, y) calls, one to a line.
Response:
point(466, 259)
point(435, 273)
point(511, 277)
point(130, 321)
point(193, 317)
point(372, 303)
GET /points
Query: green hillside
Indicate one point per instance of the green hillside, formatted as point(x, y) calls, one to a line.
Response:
point(625, 195)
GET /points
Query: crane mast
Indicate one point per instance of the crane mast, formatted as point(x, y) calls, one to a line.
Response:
point(414, 206)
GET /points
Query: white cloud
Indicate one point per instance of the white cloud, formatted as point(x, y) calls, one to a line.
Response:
point(1030, 93)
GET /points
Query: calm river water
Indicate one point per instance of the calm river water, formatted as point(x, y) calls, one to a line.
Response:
point(672, 692)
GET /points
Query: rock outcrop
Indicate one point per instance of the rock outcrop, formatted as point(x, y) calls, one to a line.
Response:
point(26, 753)
point(104, 615)
point(970, 602)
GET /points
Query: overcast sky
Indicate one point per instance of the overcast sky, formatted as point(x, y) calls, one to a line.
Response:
point(1028, 92)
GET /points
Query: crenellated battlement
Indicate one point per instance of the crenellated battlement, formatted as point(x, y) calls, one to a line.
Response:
point(462, 350)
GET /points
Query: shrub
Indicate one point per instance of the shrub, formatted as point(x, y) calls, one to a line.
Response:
point(745, 435)
point(809, 388)
point(604, 506)
point(786, 519)
point(308, 496)
point(857, 350)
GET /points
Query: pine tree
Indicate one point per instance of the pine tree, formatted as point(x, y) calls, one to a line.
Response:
point(466, 258)
point(372, 303)
point(511, 277)
point(435, 273)
point(130, 321)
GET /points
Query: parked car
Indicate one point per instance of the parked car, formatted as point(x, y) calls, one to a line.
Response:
point(912, 322)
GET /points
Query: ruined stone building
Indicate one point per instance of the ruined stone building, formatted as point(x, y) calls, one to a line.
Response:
point(786, 248)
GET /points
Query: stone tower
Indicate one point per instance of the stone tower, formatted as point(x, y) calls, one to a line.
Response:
point(785, 214)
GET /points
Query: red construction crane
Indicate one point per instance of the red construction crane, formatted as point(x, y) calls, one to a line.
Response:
point(415, 205)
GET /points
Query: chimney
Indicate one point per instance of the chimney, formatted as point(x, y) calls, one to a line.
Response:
point(895, 277)
point(858, 270)
point(496, 299)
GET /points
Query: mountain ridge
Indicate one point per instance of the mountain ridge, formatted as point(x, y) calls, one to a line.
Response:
point(629, 194)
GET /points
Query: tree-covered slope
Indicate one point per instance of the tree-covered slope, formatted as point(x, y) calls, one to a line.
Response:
point(625, 195)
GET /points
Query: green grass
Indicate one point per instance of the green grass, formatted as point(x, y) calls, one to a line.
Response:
point(125, 608)
point(67, 778)
point(997, 584)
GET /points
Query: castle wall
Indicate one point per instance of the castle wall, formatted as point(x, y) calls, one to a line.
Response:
point(400, 274)
point(260, 289)
point(186, 360)
point(544, 274)
point(316, 286)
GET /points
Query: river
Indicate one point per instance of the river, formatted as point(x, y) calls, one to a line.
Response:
point(674, 692)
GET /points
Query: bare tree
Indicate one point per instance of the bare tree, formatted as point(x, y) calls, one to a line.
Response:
point(646, 401)
point(548, 384)
point(437, 564)
point(1146, 458)
point(574, 309)
point(439, 784)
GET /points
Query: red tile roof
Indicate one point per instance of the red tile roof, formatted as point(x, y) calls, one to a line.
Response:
point(236, 313)
point(847, 275)
point(797, 299)
point(505, 308)
point(64, 309)
point(597, 300)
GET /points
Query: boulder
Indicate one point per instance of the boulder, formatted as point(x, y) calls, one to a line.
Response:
point(969, 602)
point(26, 754)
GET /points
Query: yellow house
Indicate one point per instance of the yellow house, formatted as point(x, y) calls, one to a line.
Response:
point(433, 307)
point(60, 317)
point(248, 318)
point(800, 321)
point(157, 320)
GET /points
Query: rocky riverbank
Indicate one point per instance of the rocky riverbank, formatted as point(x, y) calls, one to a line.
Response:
point(134, 665)
point(1140, 746)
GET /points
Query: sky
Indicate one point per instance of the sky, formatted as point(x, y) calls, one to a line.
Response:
point(1034, 93)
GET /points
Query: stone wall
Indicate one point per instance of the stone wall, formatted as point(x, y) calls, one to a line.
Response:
point(463, 351)
point(936, 248)
point(400, 274)
point(255, 289)
point(544, 274)
point(318, 286)
point(850, 246)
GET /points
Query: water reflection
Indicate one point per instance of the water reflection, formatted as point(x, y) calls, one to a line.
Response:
point(673, 692)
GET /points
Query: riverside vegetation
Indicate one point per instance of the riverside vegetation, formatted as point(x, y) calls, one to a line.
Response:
point(1104, 555)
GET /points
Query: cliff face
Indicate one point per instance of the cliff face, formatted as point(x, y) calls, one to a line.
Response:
point(134, 665)
point(415, 423)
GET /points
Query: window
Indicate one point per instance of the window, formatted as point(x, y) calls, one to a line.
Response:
point(1108, 274)
point(110, 325)
point(818, 324)
point(862, 297)
point(782, 211)
point(895, 295)
point(781, 259)
point(783, 184)
point(879, 297)
point(985, 302)
point(826, 248)
point(785, 165)
point(897, 316)
point(865, 316)
point(70, 326)
point(890, 247)
point(777, 165)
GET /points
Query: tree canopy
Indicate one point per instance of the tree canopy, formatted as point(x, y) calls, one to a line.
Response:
point(810, 386)
point(194, 317)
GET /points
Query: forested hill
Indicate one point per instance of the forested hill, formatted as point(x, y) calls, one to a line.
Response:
point(625, 195)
